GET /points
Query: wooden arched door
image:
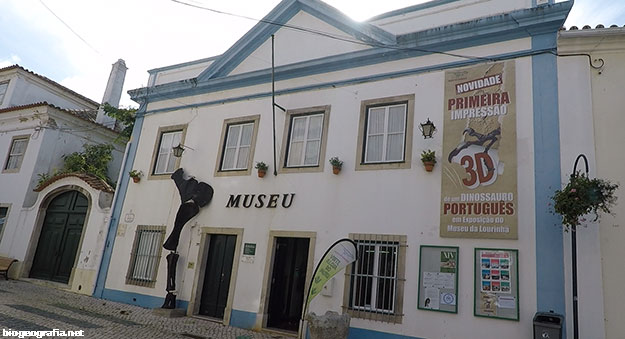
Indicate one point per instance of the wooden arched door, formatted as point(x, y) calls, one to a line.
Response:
point(60, 237)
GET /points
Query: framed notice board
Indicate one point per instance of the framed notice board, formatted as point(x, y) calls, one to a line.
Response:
point(438, 279)
point(496, 283)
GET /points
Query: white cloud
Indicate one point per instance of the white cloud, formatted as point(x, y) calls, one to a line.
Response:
point(14, 59)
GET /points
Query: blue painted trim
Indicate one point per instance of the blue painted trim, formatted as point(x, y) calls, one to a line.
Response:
point(141, 300)
point(550, 283)
point(280, 15)
point(183, 64)
point(119, 203)
point(352, 81)
point(410, 9)
point(361, 333)
point(514, 25)
point(242, 319)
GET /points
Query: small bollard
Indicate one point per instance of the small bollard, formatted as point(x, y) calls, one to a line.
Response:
point(328, 326)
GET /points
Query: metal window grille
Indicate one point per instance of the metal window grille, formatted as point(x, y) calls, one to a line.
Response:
point(146, 255)
point(376, 278)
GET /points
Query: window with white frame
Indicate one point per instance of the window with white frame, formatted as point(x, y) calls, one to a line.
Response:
point(16, 153)
point(237, 148)
point(145, 256)
point(4, 211)
point(375, 281)
point(3, 90)
point(386, 133)
point(165, 159)
point(305, 140)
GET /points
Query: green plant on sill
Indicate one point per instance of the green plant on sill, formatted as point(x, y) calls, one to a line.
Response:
point(428, 156)
point(135, 174)
point(261, 166)
point(336, 162)
point(583, 195)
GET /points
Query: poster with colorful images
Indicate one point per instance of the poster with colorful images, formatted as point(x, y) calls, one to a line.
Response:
point(496, 283)
point(438, 279)
point(479, 162)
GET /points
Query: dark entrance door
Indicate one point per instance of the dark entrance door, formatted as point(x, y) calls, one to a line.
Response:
point(60, 237)
point(217, 275)
point(288, 280)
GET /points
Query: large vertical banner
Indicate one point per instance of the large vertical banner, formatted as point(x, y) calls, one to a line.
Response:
point(479, 181)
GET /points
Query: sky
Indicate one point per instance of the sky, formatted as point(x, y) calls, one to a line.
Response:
point(75, 42)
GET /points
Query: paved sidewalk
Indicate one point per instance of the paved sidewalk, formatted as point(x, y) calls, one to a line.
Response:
point(25, 306)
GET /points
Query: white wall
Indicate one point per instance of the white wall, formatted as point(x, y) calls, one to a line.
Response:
point(404, 202)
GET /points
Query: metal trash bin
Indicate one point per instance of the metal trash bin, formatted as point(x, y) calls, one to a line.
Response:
point(548, 325)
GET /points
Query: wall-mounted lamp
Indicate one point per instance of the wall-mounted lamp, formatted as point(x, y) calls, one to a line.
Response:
point(428, 129)
point(178, 150)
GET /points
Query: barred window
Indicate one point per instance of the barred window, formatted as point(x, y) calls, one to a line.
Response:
point(145, 256)
point(4, 211)
point(375, 281)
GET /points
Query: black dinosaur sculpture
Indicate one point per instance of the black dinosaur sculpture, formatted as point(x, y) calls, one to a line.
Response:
point(193, 196)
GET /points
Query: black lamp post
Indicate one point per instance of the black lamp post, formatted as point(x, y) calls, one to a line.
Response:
point(574, 255)
point(427, 128)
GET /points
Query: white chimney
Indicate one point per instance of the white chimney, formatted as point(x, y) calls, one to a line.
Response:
point(113, 92)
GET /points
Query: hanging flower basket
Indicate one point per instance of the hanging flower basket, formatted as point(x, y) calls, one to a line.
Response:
point(582, 196)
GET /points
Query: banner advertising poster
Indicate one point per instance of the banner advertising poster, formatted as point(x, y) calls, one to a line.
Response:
point(479, 180)
point(438, 279)
point(496, 283)
point(337, 257)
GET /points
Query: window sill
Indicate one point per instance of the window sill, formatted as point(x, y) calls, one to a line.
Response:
point(383, 166)
point(233, 173)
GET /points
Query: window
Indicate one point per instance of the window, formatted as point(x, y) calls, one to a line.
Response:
point(145, 256)
point(374, 288)
point(16, 153)
point(163, 161)
point(237, 149)
point(385, 133)
point(238, 141)
point(3, 90)
point(4, 211)
point(304, 140)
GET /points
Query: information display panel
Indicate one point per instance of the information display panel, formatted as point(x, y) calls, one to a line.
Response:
point(438, 279)
point(496, 283)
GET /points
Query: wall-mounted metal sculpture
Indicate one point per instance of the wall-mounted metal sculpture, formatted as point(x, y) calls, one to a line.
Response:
point(193, 196)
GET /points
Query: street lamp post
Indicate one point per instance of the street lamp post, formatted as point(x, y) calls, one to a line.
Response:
point(574, 255)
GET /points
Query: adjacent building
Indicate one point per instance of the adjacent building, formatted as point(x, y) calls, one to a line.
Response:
point(56, 230)
point(470, 250)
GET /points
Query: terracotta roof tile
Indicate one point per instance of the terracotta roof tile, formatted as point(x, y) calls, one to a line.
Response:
point(91, 180)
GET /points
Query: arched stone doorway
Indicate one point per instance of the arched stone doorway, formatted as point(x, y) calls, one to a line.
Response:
point(60, 237)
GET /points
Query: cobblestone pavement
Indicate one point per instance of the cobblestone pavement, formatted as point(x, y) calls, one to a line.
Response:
point(26, 306)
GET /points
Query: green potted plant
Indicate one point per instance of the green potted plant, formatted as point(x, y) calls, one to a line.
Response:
point(429, 159)
point(135, 175)
point(581, 196)
point(337, 164)
point(262, 169)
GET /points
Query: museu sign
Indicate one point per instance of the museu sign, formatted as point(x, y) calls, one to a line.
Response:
point(260, 200)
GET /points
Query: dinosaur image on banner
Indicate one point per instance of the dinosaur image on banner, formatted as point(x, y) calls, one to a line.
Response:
point(479, 171)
